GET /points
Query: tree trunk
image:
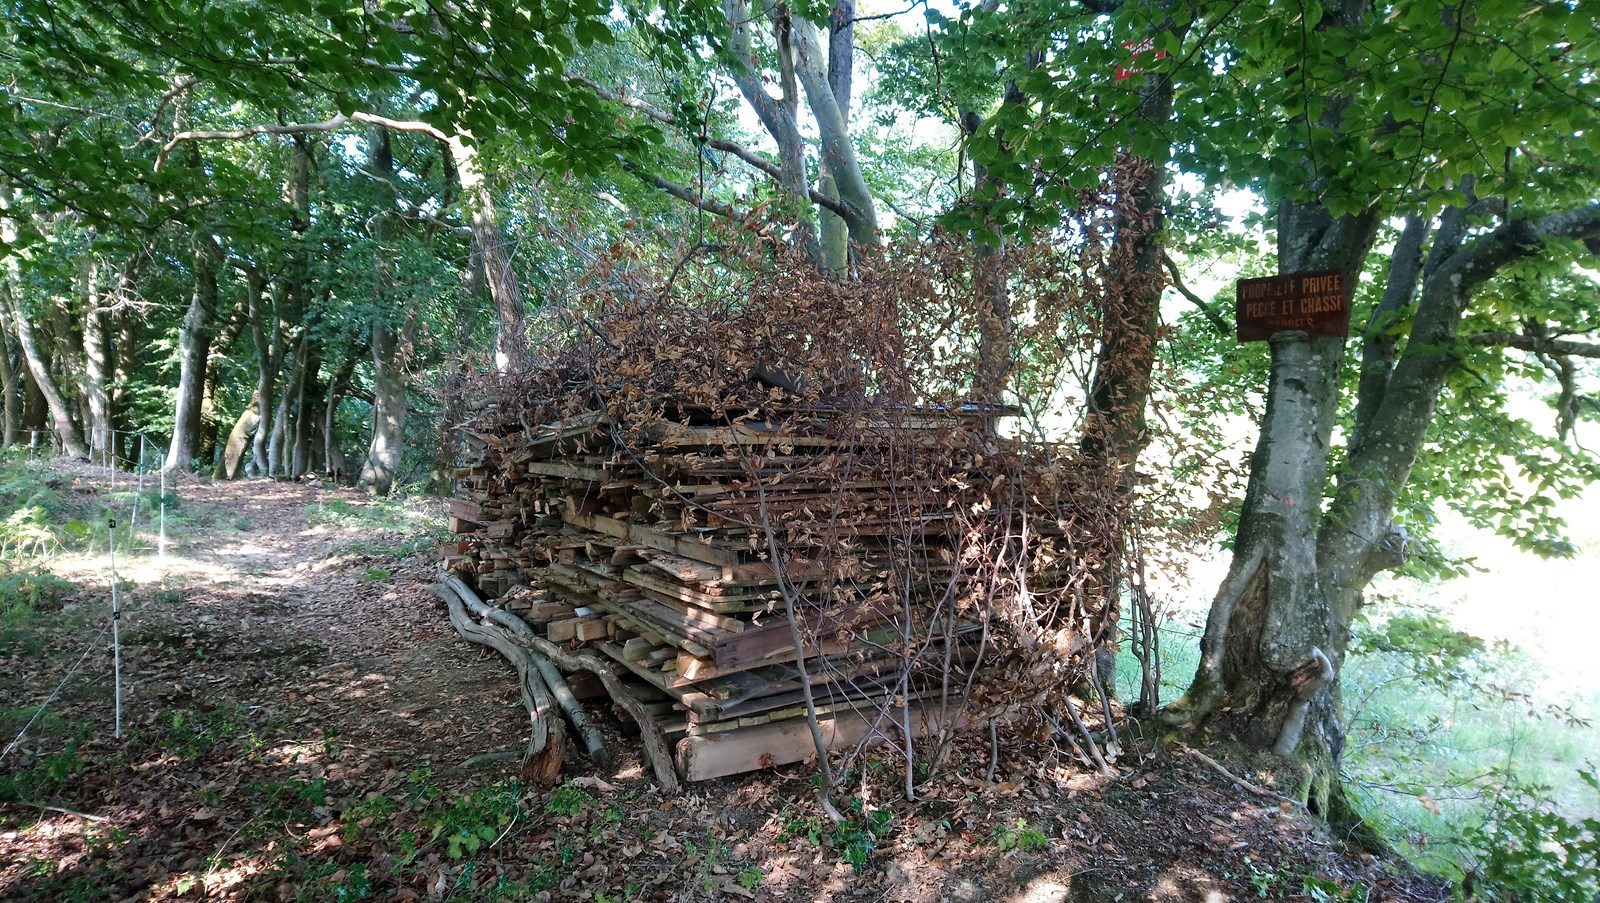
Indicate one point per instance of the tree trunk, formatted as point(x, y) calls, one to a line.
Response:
point(194, 348)
point(231, 462)
point(268, 339)
point(841, 64)
point(333, 455)
point(43, 380)
point(280, 449)
point(10, 387)
point(491, 256)
point(96, 362)
point(1272, 645)
point(778, 116)
point(391, 342)
point(388, 411)
point(838, 151)
point(305, 423)
point(210, 426)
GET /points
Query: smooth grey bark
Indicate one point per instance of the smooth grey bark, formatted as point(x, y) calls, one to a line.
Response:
point(338, 469)
point(838, 150)
point(391, 341)
point(194, 348)
point(280, 443)
point(96, 360)
point(42, 380)
point(10, 388)
point(230, 464)
point(306, 423)
point(1278, 630)
point(777, 115)
point(271, 325)
point(388, 411)
point(491, 256)
point(268, 339)
point(835, 232)
point(60, 414)
point(220, 346)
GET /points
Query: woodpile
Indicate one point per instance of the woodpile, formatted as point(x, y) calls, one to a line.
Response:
point(761, 495)
point(697, 562)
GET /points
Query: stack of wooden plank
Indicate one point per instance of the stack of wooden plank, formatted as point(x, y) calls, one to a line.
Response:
point(733, 567)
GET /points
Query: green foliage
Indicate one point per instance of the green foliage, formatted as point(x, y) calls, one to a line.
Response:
point(470, 821)
point(1426, 645)
point(1324, 891)
point(191, 736)
point(567, 800)
point(1524, 852)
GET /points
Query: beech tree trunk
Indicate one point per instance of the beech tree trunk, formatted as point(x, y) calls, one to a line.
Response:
point(210, 426)
point(491, 258)
point(64, 425)
point(1278, 630)
point(194, 348)
point(96, 361)
point(305, 421)
point(10, 388)
point(391, 341)
point(230, 464)
point(777, 115)
point(43, 381)
point(333, 456)
point(841, 63)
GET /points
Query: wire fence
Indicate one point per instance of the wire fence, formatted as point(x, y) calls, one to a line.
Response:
point(132, 465)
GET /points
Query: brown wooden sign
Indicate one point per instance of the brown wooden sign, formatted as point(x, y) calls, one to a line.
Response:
point(1315, 303)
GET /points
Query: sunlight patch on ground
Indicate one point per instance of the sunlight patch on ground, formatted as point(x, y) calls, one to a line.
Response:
point(1043, 890)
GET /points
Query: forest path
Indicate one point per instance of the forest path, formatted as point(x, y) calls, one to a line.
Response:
point(284, 649)
point(302, 724)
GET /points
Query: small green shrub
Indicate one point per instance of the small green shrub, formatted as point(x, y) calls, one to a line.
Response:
point(468, 822)
point(1019, 837)
point(567, 800)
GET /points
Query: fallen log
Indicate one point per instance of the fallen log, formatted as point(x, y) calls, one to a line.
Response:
point(594, 744)
point(541, 764)
point(655, 744)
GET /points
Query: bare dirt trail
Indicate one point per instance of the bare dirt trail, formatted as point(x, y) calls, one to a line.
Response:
point(303, 724)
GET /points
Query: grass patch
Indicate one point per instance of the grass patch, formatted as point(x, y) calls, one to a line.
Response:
point(391, 528)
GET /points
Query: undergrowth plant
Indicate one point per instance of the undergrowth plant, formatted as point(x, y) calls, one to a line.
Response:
point(1523, 851)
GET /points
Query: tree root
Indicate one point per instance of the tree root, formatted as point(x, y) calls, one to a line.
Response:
point(1253, 788)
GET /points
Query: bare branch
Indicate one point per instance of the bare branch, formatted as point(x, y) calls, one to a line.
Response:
point(303, 128)
point(1535, 344)
point(1214, 318)
point(683, 193)
point(749, 156)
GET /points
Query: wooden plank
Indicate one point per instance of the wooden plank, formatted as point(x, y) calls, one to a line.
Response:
point(637, 649)
point(741, 602)
point(691, 699)
point(568, 471)
point(562, 631)
point(716, 755)
point(656, 539)
point(683, 569)
point(695, 615)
